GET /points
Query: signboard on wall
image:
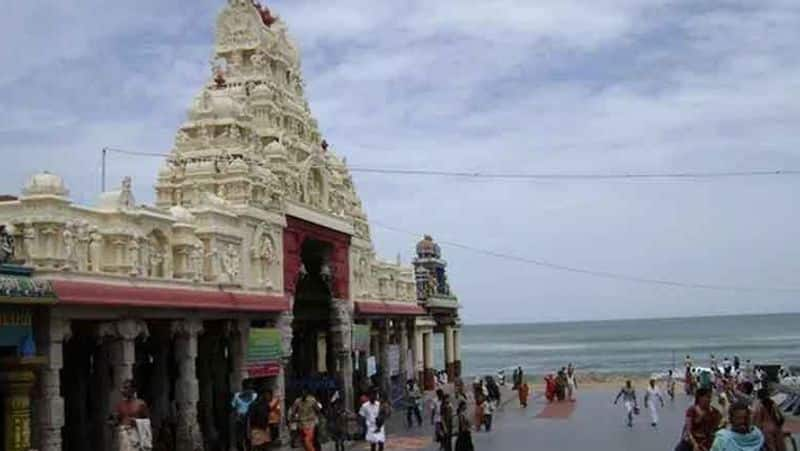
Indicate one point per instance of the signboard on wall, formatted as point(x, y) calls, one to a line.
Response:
point(394, 359)
point(361, 338)
point(264, 352)
point(372, 366)
point(16, 329)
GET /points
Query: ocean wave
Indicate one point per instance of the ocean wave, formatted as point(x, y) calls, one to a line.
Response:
point(521, 347)
point(775, 338)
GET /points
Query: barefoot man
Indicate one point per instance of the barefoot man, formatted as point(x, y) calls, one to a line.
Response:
point(131, 417)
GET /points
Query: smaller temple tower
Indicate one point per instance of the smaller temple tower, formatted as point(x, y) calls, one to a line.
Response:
point(430, 270)
point(433, 292)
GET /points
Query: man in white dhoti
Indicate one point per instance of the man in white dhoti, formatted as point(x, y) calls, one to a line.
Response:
point(653, 392)
point(131, 418)
point(375, 413)
point(628, 395)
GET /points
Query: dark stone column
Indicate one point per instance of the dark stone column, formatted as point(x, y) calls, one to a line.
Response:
point(188, 436)
point(341, 335)
point(50, 415)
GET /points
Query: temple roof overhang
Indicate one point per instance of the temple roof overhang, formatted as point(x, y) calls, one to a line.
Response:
point(89, 293)
point(380, 308)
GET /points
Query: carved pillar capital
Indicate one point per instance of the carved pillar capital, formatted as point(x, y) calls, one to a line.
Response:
point(186, 328)
point(127, 329)
point(60, 330)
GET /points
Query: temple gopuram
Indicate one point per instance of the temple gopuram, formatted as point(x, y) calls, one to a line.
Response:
point(254, 268)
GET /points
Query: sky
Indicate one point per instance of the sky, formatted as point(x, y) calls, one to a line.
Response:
point(546, 86)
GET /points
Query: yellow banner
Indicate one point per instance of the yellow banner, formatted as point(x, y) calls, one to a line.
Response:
point(15, 317)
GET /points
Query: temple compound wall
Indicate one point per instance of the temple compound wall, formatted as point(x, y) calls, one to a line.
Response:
point(254, 268)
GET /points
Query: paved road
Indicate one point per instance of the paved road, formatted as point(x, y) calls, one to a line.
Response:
point(594, 424)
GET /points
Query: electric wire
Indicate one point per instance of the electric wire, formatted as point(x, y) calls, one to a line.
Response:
point(534, 176)
point(597, 273)
point(577, 176)
point(551, 265)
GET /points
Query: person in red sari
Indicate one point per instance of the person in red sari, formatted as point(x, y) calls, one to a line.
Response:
point(702, 422)
point(550, 388)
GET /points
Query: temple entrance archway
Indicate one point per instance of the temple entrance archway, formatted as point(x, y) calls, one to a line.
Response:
point(317, 277)
point(313, 359)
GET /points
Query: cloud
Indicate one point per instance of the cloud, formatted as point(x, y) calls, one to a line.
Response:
point(503, 86)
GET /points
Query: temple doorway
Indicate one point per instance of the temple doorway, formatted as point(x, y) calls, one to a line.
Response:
point(85, 372)
point(155, 372)
point(214, 364)
point(313, 360)
point(92, 359)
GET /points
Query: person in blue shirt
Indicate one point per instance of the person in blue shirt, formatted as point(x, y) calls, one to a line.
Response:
point(241, 403)
point(741, 435)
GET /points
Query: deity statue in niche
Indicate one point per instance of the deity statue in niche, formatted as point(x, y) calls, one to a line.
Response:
point(82, 247)
point(134, 261)
point(315, 189)
point(6, 244)
point(181, 138)
point(68, 238)
point(96, 250)
point(203, 136)
point(197, 261)
point(29, 242)
point(231, 264)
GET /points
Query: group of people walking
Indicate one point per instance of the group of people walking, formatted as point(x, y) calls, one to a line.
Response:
point(652, 399)
point(748, 426)
point(451, 423)
point(561, 386)
point(311, 422)
point(743, 418)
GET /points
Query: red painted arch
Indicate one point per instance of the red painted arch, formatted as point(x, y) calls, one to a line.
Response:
point(296, 232)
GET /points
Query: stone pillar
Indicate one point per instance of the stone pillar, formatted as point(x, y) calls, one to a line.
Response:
point(240, 331)
point(120, 338)
point(342, 340)
point(49, 407)
point(119, 341)
point(284, 324)
point(401, 328)
point(457, 351)
point(188, 436)
point(418, 350)
point(448, 353)
point(429, 378)
point(386, 378)
point(16, 384)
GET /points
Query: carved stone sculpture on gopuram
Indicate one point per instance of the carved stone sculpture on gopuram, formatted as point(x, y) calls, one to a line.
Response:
point(249, 138)
point(248, 155)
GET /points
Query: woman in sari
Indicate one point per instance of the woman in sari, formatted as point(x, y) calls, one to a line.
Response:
point(769, 419)
point(524, 390)
point(480, 402)
point(464, 438)
point(702, 422)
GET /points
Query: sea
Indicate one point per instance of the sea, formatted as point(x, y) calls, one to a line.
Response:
point(628, 347)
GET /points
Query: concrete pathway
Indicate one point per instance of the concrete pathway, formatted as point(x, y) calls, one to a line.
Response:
point(593, 423)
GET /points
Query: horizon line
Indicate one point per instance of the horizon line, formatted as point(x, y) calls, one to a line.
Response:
point(566, 321)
